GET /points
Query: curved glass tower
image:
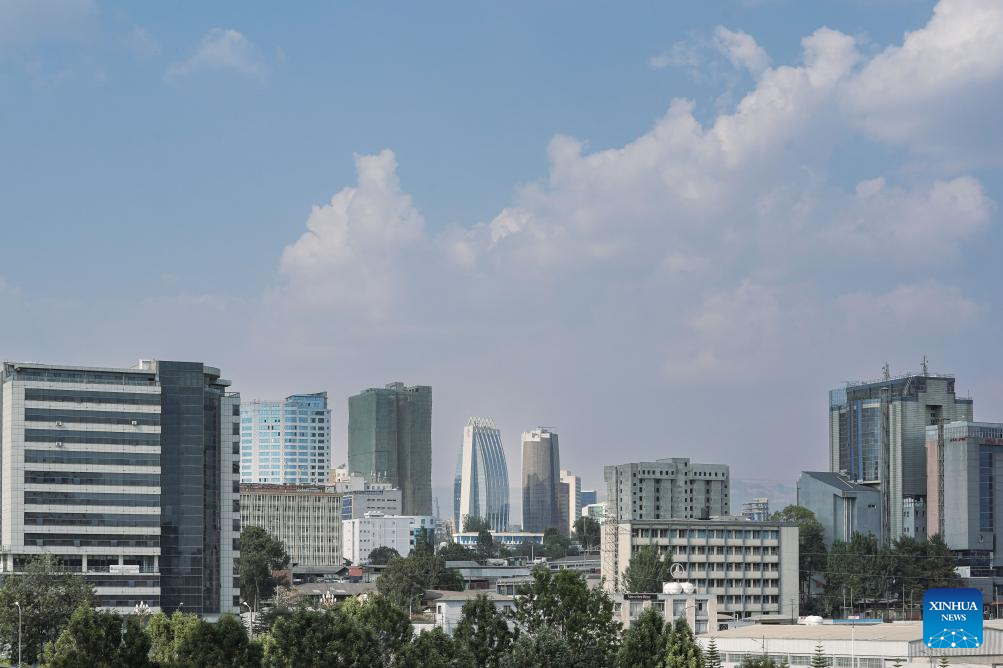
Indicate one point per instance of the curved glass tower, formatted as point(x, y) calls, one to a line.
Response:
point(481, 485)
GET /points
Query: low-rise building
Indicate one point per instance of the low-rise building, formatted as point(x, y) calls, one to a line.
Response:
point(699, 610)
point(448, 605)
point(506, 538)
point(757, 510)
point(843, 507)
point(596, 511)
point(362, 535)
point(360, 495)
point(306, 518)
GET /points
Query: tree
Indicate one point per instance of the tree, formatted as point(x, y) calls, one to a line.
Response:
point(545, 647)
point(168, 634)
point(309, 638)
point(588, 533)
point(681, 648)
point(389, 625)
point(646, 571)
point(382, 555)
point(486, 547)
point(436, 649)
point(811, 544)
point(858, 570)
point(260, 554)
point(582, 616)
point(644, 641)
point(484, 630)
point(711, 656)
point(474, 524)
point(405, 580)
point(424, 542)
point(943, 662)
point(758, 661)
point(48, 598)
point(182, 640)
point(555, 544)
point(819, 659)
point(456, 552)
point(99, 639)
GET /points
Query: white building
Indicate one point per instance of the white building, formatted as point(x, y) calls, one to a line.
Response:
point(678, 600)
point(571, 498)
point(480, 488)
point(449, 605)
point(360, 495)
point(362, 535)
point(674, 488)
point(286, 442)
point(306, 518)
point(596, 511)
point(506, 538)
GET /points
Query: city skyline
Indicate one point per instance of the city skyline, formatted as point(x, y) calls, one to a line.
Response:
point(669, 224)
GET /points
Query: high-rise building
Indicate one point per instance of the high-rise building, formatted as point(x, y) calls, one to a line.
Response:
point(673, 488)
point(541, 465)
point(877, 437)
point(129, 476)
point(571, 499)
point(480, 488)
point(306, 518)
point(390, 437)
point(286, 442)
point(589, 496)
point(757, 510)
point(841, 506)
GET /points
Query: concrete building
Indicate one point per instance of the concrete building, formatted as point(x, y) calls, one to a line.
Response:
point(286, 442)
point(673, 488)
point(851, 645)
point(841, 506)
point(596, 511)
point(129, 476)
point(699, 610)
point(541, 465)
point(361, 495)
point(752, 567)
point(877, 436)
point(361, 536)
point(571, 498)
point(506, 538)
point(390, 438)
point(757, 510)
point(481, 484)
point(306, 518)
point(448, 605)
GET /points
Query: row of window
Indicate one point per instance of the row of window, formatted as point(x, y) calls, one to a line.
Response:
point(91, 478)
point(78, 457)
point(89, 540)
point(91, 397)
point(719, 534)
point(91, 499)
point(91, 519)
point(103, 437)
point(91, 417)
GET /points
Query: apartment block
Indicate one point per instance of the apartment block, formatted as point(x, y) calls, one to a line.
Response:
point(306, 518)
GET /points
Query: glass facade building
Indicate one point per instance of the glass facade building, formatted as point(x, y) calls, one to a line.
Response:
point(390, 439)
point(481, 483)
point(541, 466)
point(286, 442)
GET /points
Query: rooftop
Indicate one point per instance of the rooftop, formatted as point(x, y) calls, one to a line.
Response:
point(837, 481)
point(468, 595)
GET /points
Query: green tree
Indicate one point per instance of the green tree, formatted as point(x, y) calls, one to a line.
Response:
point(167, 634)
point(474, 524)
point(484, 630)
point(819, 659)
point(758, 661)
point(424, 542)
point(647, 570)
point(307, 638)
point(382, 555)
point(555, 544)
point(681, 648)
point(456, 552)
point(644, 641)
point(943, 662)
point(588, 533)
point(98, 639)
point(486, 548)
point(545, 647)
point(582, 616)
point(48, 598)
point(405, 580)
point(811, 544)
point(859, 570)
point(260, 555)
point(184, 640)
point(388, 623)
point(436, 649)
point(711, 656)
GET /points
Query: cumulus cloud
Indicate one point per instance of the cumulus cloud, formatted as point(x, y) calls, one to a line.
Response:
point(223, 50)
point(741, 50)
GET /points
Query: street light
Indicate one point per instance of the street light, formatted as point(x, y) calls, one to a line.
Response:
point(250, 613)
point(18, 604)
point(142, 610)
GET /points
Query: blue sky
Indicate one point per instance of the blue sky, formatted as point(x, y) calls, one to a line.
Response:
point(680, 278)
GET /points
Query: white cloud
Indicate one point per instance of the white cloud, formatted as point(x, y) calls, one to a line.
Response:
point(223, 50)
point(930, 304)
point(741, 50)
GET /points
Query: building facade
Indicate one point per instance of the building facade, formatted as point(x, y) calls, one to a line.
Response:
point(128, 476)
point(596, 511)
point(480, 488)
point(571, 499)
point(877, 437)
point(506, 538)
point(390, 438)
point(286, 442)
point(842, 507)
point(757, 510)
point(361, 495)
point(667, 489)
point(589, 496)
point(751, 567)
point(361, 536)
point(306, 518)
point(541, 466)
point(699, 610)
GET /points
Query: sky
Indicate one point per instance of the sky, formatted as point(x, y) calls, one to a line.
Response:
point(660, 229)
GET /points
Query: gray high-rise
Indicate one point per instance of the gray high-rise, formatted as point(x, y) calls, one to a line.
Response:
point(541, 478)
point(877, 437)
point(390, 436)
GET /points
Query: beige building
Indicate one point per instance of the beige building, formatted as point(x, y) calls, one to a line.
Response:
point(306, 518)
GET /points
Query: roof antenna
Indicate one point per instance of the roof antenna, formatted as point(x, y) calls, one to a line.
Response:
point(886, 372)
point(926, 369)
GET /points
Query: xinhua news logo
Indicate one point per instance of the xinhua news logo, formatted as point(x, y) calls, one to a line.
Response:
point(952, 618)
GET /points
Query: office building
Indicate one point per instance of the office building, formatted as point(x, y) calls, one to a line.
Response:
point(286, 442)
point(541, 465)
point(129, 476)
point(390, 438)
point(306, 518)
point(596, 511)
point(589, 497)
point(361, 536)
point(842, 507)
point(674, 488)
point(361, 495)
point(677, 599)
point(570, 499)
point(877, 437)
point(751, 567)
point(757, 510)
point(481, 484)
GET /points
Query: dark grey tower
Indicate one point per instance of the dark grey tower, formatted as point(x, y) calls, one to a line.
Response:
point(541, 477)
point(390, 435)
